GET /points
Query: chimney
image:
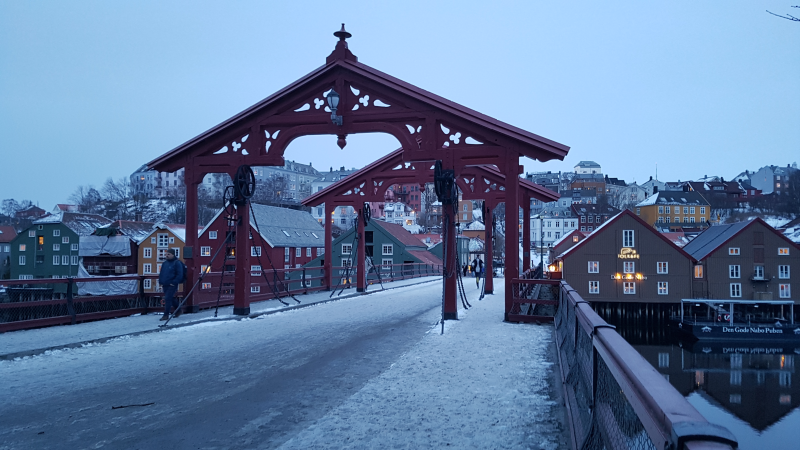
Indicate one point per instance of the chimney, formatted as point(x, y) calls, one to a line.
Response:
point(651, 178)
point(138, 217)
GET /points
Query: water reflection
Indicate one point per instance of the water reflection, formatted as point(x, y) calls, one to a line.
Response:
point(750, 388)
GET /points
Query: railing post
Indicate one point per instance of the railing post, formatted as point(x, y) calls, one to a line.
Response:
point(70, 305)
point(305, 288)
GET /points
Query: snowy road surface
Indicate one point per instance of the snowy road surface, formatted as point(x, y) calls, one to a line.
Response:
point(365, 372)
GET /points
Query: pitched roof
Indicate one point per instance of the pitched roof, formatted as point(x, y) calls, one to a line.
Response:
point(284, 227)
point(674, 198)
point(134, 230)
point(400, 233)
point(83, 224)
point(716, 236)
point(625, 212)
point(342, 63)
point(426, 257)
point(7, 233)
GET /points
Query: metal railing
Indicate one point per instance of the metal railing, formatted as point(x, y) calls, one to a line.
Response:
point(44, 302)
point(615, 399)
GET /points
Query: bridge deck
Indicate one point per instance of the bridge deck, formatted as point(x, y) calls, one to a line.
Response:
point(366, 372)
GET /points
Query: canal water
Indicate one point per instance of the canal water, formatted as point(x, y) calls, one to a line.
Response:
point(751, 388)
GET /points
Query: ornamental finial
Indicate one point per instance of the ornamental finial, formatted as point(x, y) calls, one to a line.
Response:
point(342, 34)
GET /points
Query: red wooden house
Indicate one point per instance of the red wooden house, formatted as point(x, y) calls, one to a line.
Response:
point(280, 238)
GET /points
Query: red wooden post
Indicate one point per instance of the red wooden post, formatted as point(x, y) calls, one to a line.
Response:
point(526, 231)
point(512, 226)
point(241, 297)
point(191, 179)
point(489, 289)
point(361, 255)
point(328, 250)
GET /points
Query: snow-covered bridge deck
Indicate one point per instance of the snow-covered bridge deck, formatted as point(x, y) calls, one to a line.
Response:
point(364, 372)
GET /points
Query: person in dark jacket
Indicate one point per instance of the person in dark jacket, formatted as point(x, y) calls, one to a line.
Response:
point(170, 277)
point(478, 265)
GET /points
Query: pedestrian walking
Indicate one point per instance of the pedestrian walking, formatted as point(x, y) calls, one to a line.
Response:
point(478, 264)
point(171, 275)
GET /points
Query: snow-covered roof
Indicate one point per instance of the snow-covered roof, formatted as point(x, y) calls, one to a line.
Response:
point(649, 200)
point(82, 224)
point(474, 226)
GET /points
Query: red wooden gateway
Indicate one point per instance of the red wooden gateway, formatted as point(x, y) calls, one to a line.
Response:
point(343, 97)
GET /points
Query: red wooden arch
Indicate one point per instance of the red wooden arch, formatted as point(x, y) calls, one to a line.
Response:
point(475, 183)
point(428, 127)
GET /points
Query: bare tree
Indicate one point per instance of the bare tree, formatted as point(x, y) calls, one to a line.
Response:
point(787, 16)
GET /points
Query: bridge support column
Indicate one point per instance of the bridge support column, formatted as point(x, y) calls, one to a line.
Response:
point(328, 253)
point(241, 294)
point(526, 232)
point(513, 169)
point(193, 179)
point(361, 255)
point(489, 235)
point(450, 279)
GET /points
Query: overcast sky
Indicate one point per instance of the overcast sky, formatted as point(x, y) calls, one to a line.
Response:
point(91, 90)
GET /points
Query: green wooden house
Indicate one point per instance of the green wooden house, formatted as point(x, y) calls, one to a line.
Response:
point(49, 247)
point(392, 248)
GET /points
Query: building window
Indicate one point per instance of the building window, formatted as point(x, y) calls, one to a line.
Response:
point(308, 252)
point(629, 267)
point(783, 272)
point(32, 233)
point(736, 289)
point(594, 266)
point(204, 268)
point(347, 249)
point(298, 252)
point(691, 219)
point(388, 249)
point(583, 219)
point(733, 251)
point(205, 251)
point(65, 240)
point(785, 291)
point(638, 210)
point(668, 210)
point(56, 232)
point(691, 210)
point(163, 240)
point(588, 228)
point(345, 262)
point(662, 267)
point(663, 288)
point(153, 240)
point(686, 219)
point(666, 219)
point(698, 271)
point(206, 286)
point(686, 210)
point(627, 238)
point(56, 247)
point(574, 238)
point(320, 251)
point(147, 268)
point(255, 289)
point(583, 228)
point(758, 272)
point(212, 234)
point(702, 210)
point(255, 268)
point(56, 260)
point(629, 287)
point(661, 210)
point(594, 287)
point(286, 253)
point(74, 247)
point(386, 264)
point(65, 260)
point(147, 252)
point(74, 261)
point(783, 251)
point(255, 250)
point(733, 271)
point(677, 220)
point(591, 219)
